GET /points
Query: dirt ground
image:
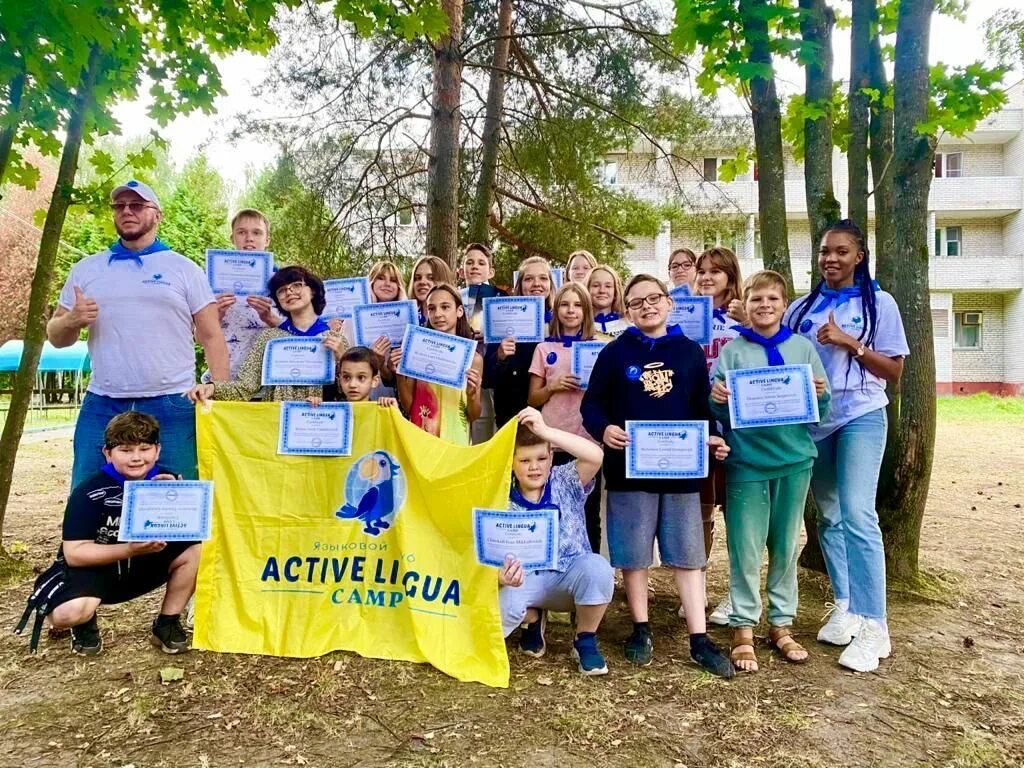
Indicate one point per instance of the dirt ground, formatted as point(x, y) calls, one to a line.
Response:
point(951, 695)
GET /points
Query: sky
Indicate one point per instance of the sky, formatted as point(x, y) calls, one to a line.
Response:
point(953, 42)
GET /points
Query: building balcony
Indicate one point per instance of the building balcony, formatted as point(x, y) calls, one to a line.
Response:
point(976, 273)
point(998, 128)
point(977, 197)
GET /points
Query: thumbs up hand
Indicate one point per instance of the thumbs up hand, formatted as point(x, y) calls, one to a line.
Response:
point(831, 333)
point(85, 311)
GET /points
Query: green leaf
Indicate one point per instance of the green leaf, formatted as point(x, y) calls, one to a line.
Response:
point(171, 674)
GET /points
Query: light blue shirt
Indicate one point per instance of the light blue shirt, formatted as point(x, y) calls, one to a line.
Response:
point(142, 343)
point(568, 495)
point(855, 390)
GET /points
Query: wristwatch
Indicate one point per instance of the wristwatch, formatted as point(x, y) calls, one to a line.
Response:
point(860, 351)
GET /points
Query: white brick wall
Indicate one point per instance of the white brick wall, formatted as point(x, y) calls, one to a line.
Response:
point(1013, 348)
point(978, 239)
point(942, 305)
point(978, 159)
point(985, 364)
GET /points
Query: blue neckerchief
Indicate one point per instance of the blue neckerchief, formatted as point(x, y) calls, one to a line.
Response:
point(838, 296)
point(315, 329)
point(547, 315)
point(422, 318)
point(567, 341)
point(651, 341)
point(603, 318)
point(119, 253)
point(721, 313)
point(545, 498)
point(109, 469)
point(771, 345)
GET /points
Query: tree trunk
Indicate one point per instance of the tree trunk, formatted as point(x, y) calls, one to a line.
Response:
point(767, 118)
point(17, 89)
point(816, 25)
point(857, 153)
point(443, 167)
point(479, 228)
point(902, 495)
point(35, 323)
point(823, 209)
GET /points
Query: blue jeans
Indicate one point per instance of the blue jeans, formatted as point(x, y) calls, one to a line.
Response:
point(177, 417)
point(844, 484)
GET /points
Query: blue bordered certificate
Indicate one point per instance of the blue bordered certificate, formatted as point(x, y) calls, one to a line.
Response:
point(299, 361)
point(584, 354)
point(388, 318)
point(692, 314)
point(440, 358)
point(166, 510)
point(557, 278)
point(243, 273)
point(343, 294)
point(323, 430)
point(768, 397)
point(667, 450)
point(521, 317)
point(531, 537)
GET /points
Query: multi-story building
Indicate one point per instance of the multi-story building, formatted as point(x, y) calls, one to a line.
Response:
point(976, 217)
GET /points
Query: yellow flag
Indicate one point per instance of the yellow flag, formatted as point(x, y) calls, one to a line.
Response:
point(296, 567)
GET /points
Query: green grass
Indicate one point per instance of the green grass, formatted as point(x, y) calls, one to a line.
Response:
point(981, 407)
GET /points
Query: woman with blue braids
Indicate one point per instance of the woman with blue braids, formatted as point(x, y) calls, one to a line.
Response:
point(858, 332)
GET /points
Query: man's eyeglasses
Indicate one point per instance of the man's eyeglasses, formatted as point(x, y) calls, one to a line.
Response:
point(295, 287)
point(650, 300)
point(133, 207)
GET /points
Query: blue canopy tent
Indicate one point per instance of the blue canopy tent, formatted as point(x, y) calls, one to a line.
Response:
point(54, 365)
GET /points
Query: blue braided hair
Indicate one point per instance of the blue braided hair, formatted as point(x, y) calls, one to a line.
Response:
point(861, 278)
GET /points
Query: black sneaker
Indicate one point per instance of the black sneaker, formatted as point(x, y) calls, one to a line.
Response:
point(170, 636)
point(531, 637)
point(85, 638)
point(710, 657)
point(640, 646)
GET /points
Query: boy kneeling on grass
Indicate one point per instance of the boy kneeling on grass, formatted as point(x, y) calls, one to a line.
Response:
point(93, 568)
point(583, 581)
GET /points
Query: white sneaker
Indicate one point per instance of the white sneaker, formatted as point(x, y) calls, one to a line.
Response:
point(871, 644)
point(841, 627)
point(720, 615)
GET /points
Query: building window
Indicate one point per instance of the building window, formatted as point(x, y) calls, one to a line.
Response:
point(948, 241)
point(967, 330)
point(611, 173)
point(950, 165)
point(726, 239)
point(405, 217)
point(710, 169)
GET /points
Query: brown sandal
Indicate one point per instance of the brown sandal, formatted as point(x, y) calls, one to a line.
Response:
point(783, 643)
point(743, 637)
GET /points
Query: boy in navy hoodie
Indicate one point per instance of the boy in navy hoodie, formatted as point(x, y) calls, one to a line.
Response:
point(653, 372)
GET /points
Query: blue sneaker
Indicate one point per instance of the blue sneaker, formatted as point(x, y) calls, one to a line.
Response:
point(588, 655)
point(531, 637)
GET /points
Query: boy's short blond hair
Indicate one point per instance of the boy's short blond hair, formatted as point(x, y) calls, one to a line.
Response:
point(250, 213)
point(766, 278)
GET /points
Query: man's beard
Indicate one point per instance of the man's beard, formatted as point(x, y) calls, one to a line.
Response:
point(135, 231)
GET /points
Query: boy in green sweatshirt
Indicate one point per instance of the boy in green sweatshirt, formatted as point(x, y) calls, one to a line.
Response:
point(767, 475)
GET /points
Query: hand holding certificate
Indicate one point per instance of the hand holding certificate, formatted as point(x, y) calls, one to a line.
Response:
point(692, 314)
point(518, 317)
point(323, 430)
point(767, 397)
point(530, 537)
point(166, 510)
point(343, 294)
point(584, 355)
point(387, 318)
point(440, 358)
point(667, 449)
point(243, 273)
point(299, 361)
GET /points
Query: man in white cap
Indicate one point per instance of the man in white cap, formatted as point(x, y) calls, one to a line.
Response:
point(139, 301)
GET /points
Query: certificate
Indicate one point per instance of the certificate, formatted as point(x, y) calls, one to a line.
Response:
point(692, 314)
point(584, 353)
point(299, 361)
point(324, 430)
point(530, 537)
point(166, 510)
point(667, 449)
point(768, 397)
point(388, 318)
point(243, 273)
point(557, 278)
point(440, 358)
point(521, 317)
point(343, 294)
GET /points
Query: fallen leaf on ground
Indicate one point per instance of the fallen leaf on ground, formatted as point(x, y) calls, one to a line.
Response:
point(170, 674)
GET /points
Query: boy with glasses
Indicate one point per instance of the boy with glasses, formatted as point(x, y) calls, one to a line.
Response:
point(653, 372)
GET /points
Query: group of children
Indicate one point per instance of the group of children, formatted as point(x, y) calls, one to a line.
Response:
point(569, 438)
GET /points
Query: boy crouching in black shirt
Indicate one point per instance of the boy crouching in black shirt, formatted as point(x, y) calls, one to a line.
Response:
point(98, 568)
